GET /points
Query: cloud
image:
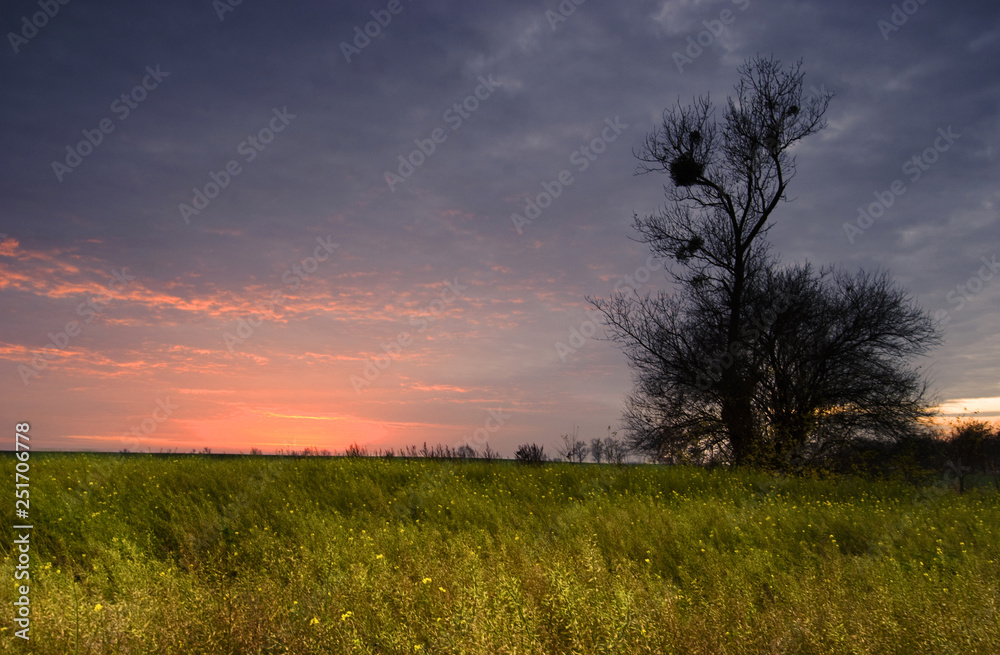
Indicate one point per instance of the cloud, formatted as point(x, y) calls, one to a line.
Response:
point(325, 176)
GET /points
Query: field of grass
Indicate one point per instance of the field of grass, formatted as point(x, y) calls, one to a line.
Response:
point(200, 554)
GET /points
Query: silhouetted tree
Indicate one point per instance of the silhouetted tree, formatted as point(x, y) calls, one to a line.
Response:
point(597, 449)
point(976, 444)
point(573, 449)
point(833, 362)
point(720, 367)
point(614, 450)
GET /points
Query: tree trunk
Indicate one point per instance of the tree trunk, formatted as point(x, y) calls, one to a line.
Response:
point(737, 416)
point(737, 405)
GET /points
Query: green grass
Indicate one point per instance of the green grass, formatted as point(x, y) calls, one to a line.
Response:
point(196, 554)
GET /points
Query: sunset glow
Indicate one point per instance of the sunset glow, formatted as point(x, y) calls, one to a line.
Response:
point(307, 246)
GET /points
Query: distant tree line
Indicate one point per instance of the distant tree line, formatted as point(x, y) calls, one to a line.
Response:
point(610, 450)
point(971, 449)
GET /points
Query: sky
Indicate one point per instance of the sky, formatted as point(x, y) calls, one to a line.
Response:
point(307, 224)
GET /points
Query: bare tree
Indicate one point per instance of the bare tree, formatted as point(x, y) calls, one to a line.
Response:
point(615, 451)
point(573, 450)
point(597, 448)
point(834, 362)
point(717, 376)
point(727, 179)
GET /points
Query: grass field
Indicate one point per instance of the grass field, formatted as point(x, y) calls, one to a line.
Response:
point(200, 554)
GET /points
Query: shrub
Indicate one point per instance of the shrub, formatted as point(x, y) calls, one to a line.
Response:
point(354, 450)
point(530, 454)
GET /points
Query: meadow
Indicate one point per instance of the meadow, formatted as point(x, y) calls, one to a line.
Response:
point(206, 554)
